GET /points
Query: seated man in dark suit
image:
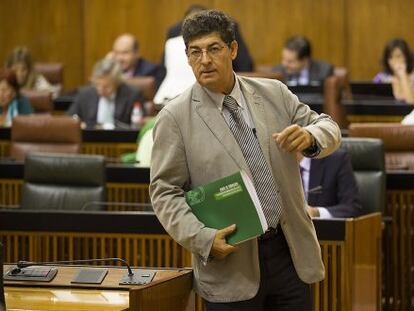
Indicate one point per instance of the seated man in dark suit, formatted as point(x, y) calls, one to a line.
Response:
point(330, 186)
point(242, 63)
point(298, 67)
point(126, 51)
point(109, 101)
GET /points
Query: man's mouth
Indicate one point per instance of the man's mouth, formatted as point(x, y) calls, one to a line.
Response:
point(208, 71)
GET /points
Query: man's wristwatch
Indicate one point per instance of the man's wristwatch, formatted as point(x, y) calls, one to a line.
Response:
point(313, 150)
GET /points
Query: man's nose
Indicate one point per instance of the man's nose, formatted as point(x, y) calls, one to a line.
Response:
point(205, 57)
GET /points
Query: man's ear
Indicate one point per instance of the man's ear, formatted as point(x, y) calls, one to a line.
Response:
point(234, 46)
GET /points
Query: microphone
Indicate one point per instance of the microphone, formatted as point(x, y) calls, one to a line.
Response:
point(21, 264)
point(129, 279)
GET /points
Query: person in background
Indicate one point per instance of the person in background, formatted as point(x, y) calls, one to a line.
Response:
point(144, 141)
point(242, 63)
point(298, 67)
point(11, 102)
point(398, 65)
point(20, 60)
point(125, 51)
point(109, 102)
point(329, 185)
point(176, 63)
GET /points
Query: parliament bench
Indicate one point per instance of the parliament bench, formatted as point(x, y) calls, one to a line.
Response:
point(398, 142)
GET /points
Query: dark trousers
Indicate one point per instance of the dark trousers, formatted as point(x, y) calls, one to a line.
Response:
point(280, 287)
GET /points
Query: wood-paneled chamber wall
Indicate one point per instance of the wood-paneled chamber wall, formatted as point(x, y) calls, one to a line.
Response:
point(347, 33)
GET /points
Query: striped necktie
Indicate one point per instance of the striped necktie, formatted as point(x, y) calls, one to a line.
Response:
point(266, 188)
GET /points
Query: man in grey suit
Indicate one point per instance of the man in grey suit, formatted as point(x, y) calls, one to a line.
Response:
point(223, 124)
point(298, 67)
point(109, 101)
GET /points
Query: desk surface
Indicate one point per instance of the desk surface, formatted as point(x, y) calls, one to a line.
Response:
point(124, 173)
point(93, 135)
point(362, 107)
point(130, 173)
point(59, 294)
point(18, 299)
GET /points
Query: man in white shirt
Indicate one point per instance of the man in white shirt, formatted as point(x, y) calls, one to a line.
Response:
point(108, 102)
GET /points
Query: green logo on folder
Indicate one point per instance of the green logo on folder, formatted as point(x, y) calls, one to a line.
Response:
point(195, 196)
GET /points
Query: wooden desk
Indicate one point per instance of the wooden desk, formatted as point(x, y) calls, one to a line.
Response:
point(376, 110)
point(110, 143)
point(351, 252)
point(364, 109)
point(125, 183)
point(171, 289)
point(137, 237)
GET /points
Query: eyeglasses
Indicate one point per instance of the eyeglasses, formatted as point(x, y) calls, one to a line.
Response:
point(212, 51)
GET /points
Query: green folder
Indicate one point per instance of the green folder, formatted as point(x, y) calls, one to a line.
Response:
point(229, 200)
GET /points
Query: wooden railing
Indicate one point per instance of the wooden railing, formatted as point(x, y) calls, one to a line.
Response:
point(352, 266)
point(10, 193)
point(399, 251)
point(110, 150)
point(146, 250)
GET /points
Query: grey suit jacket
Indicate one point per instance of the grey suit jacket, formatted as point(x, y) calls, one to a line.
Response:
point(318, 72)
point(193, 146)
point(86, 102)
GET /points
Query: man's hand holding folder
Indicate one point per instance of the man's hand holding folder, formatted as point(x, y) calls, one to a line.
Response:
point(220, 248)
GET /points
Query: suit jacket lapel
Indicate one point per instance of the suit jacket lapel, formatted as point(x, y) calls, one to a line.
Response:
point(93, 111)
point(316, 173)
point(257, 111)
point(212, 117)
point(120, 104)
point(313, 72)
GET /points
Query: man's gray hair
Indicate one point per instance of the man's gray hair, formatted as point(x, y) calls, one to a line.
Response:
point(106, 67)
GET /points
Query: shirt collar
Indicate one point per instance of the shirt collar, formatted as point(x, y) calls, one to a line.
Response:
point(111, 98)
point(218, 98)
point(305, 163)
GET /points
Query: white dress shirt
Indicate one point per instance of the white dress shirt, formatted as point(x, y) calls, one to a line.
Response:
point(237, 94)
point(305, 165)
point(106, 112)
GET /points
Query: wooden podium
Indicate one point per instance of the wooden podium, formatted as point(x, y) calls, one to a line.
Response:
point(171, 289)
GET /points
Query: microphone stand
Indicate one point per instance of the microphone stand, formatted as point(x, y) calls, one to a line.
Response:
point(24, 264)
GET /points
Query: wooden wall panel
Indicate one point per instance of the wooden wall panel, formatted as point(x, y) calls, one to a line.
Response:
point(267, 24)
point(51, 29)
point(79, 32)
point(147, 20)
